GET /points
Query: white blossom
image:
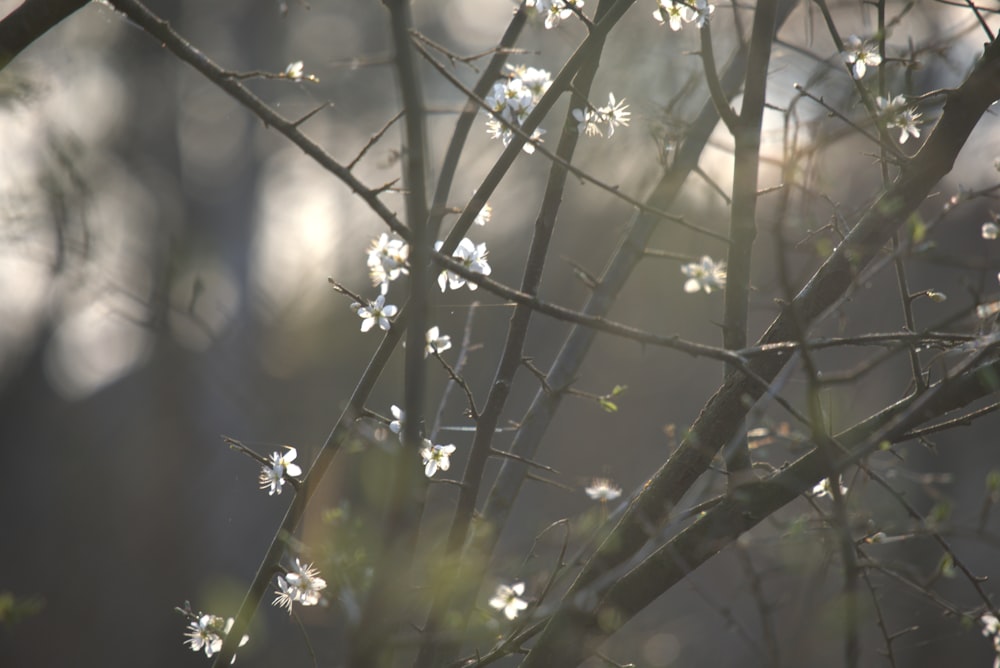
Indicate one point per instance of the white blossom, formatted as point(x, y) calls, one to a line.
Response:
point(436, 342)
point(396, 426)
point(302, 584)
point(615, 114)
point(896, 114)
point(822, 488)
point(861, 55)
point(508, 598)
point(699, 13)
point(294, 70)
point(512, 99)
point(990, 230)
point(207, 632)
point(376, 312)
point(484, 216)
point(668, 11)
point(387, 260)
point(436, 457)
point(707, 275)
point(469, 255)
point(554, 11)
point(602, 489)
point(586, 122)
point(273, 475)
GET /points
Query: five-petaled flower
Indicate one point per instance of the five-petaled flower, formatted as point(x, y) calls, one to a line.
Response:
point(603, 490)
point(469, 255)
point(896, 114)
point(273, 475)
point(207, 632)
point(302, 584)
point(508, 598)
point(861, 55)
point(670, 12)
point(436, 457)
point(436, 342)
point(376, 311)
point(705, 275)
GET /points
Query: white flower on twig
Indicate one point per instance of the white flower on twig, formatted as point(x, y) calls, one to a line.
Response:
point(508, 599)
point(469, 255)
point(896, 114)
point(207, 632)
point(436, 457)
point(273, 475)
point(707, 275)
point(436, 342)
point(860, 55)
point(302, 585)
point(376, 312)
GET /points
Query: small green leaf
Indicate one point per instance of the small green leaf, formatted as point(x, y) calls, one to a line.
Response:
point(608, 405)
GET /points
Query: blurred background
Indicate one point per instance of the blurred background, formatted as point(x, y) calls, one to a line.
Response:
point(163, 282)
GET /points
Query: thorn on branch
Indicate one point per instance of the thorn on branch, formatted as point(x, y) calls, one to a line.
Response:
point(387, 186)
point(523, 460)
point(374, 139)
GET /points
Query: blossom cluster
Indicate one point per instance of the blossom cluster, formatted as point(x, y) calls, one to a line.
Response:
point(512, 99)
point(302, 585)
point(387, 261)
point(677, 13)
point(207, 632)
point(615, 113)
point(554, 11)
